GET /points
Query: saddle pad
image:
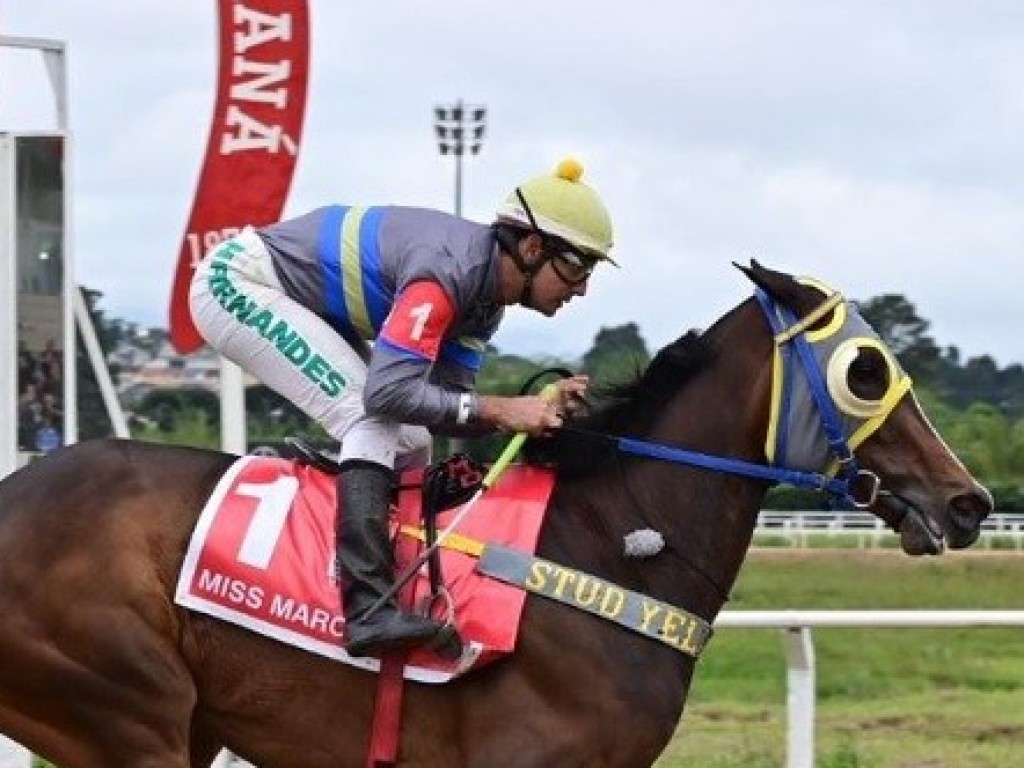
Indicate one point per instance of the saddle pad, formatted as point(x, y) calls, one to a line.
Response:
point(262, 557)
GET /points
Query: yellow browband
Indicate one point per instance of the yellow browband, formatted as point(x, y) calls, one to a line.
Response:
point(819, 312)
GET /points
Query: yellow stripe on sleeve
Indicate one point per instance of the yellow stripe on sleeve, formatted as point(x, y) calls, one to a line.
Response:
point(352, 268)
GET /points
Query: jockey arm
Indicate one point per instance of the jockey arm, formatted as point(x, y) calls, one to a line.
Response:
point(403, 385)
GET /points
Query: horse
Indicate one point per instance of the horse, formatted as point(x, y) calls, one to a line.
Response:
point(99, 667)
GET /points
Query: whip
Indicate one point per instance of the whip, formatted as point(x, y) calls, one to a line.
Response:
point(497, 470)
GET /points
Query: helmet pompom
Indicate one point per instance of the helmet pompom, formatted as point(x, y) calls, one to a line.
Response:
point(569, 169)
point(558, 203)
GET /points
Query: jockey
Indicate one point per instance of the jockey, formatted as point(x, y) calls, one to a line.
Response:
point(296, 303)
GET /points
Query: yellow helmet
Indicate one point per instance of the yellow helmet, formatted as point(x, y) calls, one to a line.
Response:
point(560, 204)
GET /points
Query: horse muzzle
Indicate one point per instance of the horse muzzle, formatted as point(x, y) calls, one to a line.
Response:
point(966, 512)
point(957, 523)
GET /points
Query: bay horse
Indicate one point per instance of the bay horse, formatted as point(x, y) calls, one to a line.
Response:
point(100, 669)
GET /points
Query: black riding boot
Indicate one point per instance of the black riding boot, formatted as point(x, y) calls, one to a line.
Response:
point(367, 565)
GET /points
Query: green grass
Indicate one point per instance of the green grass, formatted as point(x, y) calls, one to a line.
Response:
point(887, 698)
point(821, 539)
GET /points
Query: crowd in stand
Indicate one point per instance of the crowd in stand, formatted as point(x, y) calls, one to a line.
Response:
point(40, 383)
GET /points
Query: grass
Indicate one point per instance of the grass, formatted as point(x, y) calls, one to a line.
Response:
point(887, 698)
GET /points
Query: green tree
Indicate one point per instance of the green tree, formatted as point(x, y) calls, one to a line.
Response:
point(988, 443)
point(269, 416)
point(502, 375)
point(506, 374)
point(165, 407)
point(190, 426)
point(617, 356)
point(896, 320)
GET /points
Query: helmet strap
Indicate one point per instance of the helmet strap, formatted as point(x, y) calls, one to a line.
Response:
point(528, 271)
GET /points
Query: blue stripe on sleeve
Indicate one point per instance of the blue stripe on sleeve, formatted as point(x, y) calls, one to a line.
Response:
point(462, 355)
point(378, 303)
point(330, 259)
point(400, 350)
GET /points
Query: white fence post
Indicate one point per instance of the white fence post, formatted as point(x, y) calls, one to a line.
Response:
point(800, 698)
point(14, 755)
point(800, 692)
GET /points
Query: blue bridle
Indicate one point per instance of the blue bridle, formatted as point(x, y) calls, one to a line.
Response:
point(859, 487)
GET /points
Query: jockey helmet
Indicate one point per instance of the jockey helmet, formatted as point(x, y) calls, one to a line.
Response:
point(561, 205)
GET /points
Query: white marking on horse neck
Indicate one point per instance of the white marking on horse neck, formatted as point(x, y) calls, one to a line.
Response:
point(935, 432)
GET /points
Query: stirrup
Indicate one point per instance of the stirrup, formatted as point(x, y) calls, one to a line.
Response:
point(447, 643)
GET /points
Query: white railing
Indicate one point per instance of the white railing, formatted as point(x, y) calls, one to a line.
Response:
point(798, 527)
point(800, 662)
point(13, 755)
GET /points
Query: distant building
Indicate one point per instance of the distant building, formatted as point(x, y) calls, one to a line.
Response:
point(141, 370)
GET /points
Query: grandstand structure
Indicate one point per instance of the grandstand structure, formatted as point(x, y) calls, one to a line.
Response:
point(40, 302)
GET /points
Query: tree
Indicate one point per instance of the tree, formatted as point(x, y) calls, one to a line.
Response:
point(896, 320)
point(618, 355)
point(272, 417)
point(989, 444)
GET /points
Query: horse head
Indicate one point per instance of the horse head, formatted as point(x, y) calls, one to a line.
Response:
point(906, 474)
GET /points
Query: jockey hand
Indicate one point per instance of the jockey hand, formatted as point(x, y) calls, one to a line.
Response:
point(571, 393)
point(532, 414)
point(535, 414)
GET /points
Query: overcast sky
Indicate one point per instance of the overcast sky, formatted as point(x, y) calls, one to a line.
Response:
point(877, 145)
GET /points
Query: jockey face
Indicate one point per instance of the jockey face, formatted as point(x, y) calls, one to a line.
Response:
point(559, 279)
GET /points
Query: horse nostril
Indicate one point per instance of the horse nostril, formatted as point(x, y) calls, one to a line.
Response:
point(969, 509)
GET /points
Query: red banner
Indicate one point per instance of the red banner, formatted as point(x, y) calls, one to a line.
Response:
point(254, 138)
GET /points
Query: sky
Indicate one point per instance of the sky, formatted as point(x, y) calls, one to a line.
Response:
point(877, 145)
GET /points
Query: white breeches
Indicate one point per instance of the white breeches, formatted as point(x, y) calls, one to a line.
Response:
point(241, 310)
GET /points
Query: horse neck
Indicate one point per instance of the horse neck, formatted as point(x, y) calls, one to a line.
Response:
point(706, 517)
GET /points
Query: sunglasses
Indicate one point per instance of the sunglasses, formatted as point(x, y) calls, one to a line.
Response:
point(572, 266)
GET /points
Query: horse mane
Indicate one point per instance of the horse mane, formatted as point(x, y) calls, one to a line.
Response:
point(624, 409)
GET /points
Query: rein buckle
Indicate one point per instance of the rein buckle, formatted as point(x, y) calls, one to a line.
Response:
point(863, 489)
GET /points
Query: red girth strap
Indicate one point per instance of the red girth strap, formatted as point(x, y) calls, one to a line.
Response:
point(387, 713)
point(387, 707)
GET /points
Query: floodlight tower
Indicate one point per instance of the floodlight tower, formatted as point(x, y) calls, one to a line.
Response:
point(460, 130)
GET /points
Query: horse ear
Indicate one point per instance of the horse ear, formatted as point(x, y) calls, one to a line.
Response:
point(746, 270)
point(778, 285)
point(782, 287)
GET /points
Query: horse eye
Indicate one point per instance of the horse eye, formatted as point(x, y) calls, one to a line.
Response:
point(860, 375)
point(867, 375)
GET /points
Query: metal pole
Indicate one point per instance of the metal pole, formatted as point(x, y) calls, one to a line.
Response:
point(460, 147)
point(8, 312)
point(99, 365)
point(458, 182)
